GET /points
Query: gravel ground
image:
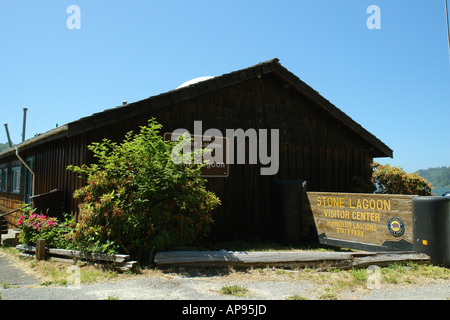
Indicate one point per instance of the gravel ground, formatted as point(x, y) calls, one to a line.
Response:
point(182, 288)
point(173, 286)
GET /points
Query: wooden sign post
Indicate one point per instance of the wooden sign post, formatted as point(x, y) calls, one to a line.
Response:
point(40, 249)
point(370, 222)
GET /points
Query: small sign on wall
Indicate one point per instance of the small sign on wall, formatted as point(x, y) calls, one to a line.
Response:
point(215, 166)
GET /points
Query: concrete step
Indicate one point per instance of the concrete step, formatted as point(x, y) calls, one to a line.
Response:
point(12, 237)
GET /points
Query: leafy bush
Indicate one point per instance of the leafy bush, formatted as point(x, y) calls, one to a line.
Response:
point(137, 200)
point(38, 226)
point(394, 180)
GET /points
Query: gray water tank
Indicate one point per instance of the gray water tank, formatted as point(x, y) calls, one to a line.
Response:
point(431, 228)
point(288, 209)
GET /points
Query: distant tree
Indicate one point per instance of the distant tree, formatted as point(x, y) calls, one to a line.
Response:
point(394, 180)
point(443, 180)
point(3, 146)
point(439, 176)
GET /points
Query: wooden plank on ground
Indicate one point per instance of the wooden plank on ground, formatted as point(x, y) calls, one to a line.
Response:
point(26, 255)
point(247, 259)
point(283, 259)
point(116, 258)
point(385, 259)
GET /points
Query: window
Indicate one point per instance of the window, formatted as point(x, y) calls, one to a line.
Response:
point(4, 185)
point(1, 180)
point(15, 183)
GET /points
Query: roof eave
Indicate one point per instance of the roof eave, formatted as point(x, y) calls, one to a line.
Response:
point(381, 149)
point(51, 135)
point(116, 114)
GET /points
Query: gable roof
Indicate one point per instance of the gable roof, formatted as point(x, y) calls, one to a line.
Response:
point(183, 93)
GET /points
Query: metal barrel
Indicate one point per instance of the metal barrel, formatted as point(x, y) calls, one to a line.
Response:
point(431, 228)
point(288, 209)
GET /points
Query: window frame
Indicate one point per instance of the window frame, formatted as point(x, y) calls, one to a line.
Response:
point(16, 188)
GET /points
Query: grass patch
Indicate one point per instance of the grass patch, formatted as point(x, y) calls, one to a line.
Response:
point(335, 281)
point(235, 290)
point(328, 294)
point(6, 285)
point(296, 297)
point(413, 273)
point(358, 276)
point(57, 274)
point(11, 251)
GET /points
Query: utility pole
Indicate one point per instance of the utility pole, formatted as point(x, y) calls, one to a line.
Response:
point(448, 28)
point(7, 134)
point(24, 123)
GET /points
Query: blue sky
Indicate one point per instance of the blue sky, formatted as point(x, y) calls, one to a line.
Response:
point(394, 81)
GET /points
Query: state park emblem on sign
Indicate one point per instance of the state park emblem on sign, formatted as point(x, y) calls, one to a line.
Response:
point(396, 227)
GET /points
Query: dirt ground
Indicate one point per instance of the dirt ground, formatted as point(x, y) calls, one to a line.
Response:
point(19, 282)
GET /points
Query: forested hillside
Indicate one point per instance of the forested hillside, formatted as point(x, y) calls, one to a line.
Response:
point(439, 177)
point(3, 146)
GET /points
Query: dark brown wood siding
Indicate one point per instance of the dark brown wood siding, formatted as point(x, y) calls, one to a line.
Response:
point(314, 146)
point(52, 160)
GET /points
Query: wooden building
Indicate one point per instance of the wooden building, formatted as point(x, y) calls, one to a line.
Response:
point(318, 143)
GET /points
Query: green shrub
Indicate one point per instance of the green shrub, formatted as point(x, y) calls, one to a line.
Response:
point(394, 180)
point(38, 226)
point(137, 200)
